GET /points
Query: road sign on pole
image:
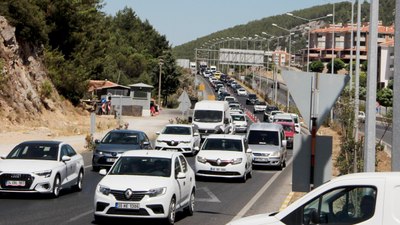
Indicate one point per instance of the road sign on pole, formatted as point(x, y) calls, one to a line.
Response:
point(185, 102)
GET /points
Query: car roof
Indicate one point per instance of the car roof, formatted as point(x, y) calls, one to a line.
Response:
point(179, 125)
point(265, 126)
point(285, 123)
point(368, 175)
point(225, 136)
point(151, 153)
point(236, 113)
point(126, 131)
point(45, 142)
point(283, 115)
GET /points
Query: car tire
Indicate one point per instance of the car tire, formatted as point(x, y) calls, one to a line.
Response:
point(170, 220)
point(190, 208)
point(98, 219)
point(250, 174)
point(56, 187)
point(79, 182)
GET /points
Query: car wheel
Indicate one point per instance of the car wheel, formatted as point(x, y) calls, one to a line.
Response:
point(56, 186)
point(190, 208)
point(78, 185)
point(170, 220)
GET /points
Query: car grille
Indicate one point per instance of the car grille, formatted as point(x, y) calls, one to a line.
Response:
point(213, 162)
point(205, 131)
point(260, 154)
point(20, 177)
point(139, 212)
point(120, 196)
point(222, 173)
point(172, 143)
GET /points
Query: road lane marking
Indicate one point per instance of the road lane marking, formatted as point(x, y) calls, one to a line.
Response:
point(257, 196)
point(80, 216)
point(212, 197)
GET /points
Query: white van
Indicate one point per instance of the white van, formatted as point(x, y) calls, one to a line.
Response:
point(213, 69)
point(212, 117)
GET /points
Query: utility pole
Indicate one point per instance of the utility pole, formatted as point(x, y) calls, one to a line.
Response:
point(357, 82)
point(396, 96)
point(370, 120)
point(160, 63)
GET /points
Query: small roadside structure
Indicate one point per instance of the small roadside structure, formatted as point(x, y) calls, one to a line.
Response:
point(141, 95)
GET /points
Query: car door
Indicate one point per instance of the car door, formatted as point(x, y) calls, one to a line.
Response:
point(65, 171)
point(74, 162)
point(196, 138)
point(249, 156)
point(181, 182)
point(187, 184)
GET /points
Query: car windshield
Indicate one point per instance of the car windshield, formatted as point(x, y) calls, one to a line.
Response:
point(142, 166)
point(223, 144)
point(207, 116)
point(238, 117)
point(120, 138)
point(287, 127)
point(36, 151)
point(271, 108)
point(177, 130)
point(263, 137)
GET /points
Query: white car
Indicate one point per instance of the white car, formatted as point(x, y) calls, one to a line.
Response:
point(146, 184)
point(240, 122)
point(179, 137)
point(224, 155)
point(241, 92)
point(296, 119)
point(41, 167)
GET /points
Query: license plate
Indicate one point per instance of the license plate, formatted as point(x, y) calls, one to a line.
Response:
point(217, 169)
point(15, 183)
point(261, 159)
point(120, 205)
point(110, 159)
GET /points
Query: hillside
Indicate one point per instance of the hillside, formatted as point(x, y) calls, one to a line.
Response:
point(342, 15)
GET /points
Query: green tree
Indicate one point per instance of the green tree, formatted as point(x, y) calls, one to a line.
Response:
point(364, 66)
point(338, 65)
point(385, 97)
point(317, 66)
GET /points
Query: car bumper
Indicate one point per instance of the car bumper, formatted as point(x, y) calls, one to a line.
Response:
point(240, 129)
point(267, 161)
point(229, 171)
point(155, 207)
point(180, 148)
point(103, 160)
point(33, 184)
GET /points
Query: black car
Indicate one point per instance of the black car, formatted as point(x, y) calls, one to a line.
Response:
point(251, 99)
point(115, 143)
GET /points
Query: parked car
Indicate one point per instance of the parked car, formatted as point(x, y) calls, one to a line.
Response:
point(259, 107)
point(116, 142)
point(179, 137)
point(224, 155)
point(289, 129)
point(239, 122)
point(251, 99)
point(241, 92)
point(358, 198)
point(268, 144)
point(146, 184)
point(41, 167)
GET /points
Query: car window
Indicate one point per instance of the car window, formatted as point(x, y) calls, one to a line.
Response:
point(64, 151)
point(71, 151)
point(121, 138)
point(142, 166)
point(222, 144)
point(177, 130)
point(177, 167)
point(345, 205)
point(34, 151)
point(184, 163)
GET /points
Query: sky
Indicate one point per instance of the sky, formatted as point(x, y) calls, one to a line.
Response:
point(182, 21)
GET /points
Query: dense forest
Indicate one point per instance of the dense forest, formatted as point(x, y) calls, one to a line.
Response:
point(342, 15)
point(79, 42)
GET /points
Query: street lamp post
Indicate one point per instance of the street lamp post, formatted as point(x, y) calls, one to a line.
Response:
point(160, 63)
point(309, 29)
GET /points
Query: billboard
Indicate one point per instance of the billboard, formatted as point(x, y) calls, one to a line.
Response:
point(241, 57)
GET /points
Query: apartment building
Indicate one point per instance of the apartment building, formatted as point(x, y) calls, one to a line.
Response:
point(385, 63)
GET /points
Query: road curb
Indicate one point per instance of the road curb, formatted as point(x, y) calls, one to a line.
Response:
point(287, 201)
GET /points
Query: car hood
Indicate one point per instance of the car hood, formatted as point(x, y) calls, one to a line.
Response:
point(289, 134)
point(212, 154)
point(260, 219)
point(264, 148)
point(174, 137)
point(136, 183)
point(27, 166)
point(117, 147)
point(240, 122)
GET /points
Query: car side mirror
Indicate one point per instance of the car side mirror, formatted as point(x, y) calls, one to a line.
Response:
point(249, 150)
point(190, 119)
point(97, 141)
point(103, 172)
point(196, 148)
point(158, 132)
point(146, 144)
point(196, 134)
point(284, 143)
point(181, 175)
point(65, 158)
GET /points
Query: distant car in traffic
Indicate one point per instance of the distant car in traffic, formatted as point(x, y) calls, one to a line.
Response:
point(116, 142)
point(184, 138)
point(41, 167)
point(239, 122)
point(289, 129)
point(259, 107)
point(224, 155)
point(251, 99)
point(146, 184)
point(267, 112)
point(241, 92)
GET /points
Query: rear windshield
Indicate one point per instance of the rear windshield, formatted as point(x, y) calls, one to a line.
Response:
point(177, 130)
point(263, 137)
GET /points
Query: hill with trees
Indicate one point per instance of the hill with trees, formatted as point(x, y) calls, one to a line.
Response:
point(342, 15)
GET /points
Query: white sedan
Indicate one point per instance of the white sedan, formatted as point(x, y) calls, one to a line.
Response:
point(241, 92)
point(41, 167)
point(224, 155)
point(179, 137)
point(146, 184)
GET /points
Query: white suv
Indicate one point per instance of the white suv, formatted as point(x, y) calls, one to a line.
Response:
point(179, 137)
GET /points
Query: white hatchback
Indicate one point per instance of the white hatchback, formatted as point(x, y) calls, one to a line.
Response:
point(146, 184)
point(224, 155)
point(179, 137)
point(41, 167)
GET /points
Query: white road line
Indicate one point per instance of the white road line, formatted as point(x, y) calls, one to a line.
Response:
point(80, 216)
point(212, 197)
point(257, 196)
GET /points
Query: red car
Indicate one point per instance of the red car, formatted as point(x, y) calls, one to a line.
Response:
point(288, 127)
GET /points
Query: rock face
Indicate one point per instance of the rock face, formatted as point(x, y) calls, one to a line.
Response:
point(22, 75)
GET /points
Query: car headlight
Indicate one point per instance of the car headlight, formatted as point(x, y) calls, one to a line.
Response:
point(201, 159)
point(104, 190)
point(44, 173)
point(99, 152)
point(236, 161)
point(157, 191)
point(276, 154)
